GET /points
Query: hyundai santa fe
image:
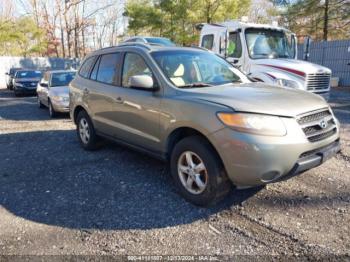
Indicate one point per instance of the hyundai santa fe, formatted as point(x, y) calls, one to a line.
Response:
point(195, 110)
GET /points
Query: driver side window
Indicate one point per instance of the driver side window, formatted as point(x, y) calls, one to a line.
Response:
point(234, 48)
point(134, 65)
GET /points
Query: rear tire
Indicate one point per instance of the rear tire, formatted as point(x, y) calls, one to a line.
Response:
point(209, 185)
point(86, 132)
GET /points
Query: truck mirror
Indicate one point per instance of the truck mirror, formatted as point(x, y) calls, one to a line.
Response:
point(307, 42)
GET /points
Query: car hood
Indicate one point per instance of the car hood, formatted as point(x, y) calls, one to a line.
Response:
point(261, 98)
point(292, 66)
point(60, 91)
point(20, 80)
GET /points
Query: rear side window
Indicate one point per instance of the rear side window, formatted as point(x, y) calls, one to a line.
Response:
point(207, 41)
point(108, 69)
point(85, 68)
point(93, 75)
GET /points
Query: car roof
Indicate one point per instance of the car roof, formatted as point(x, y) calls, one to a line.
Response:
point(160, 37)
point(146, 47)
point(61, 71)
point(26, 70)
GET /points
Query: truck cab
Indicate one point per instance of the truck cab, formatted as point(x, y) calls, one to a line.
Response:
point(265, 53)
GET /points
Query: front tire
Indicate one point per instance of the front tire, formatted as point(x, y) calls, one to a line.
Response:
point(198, 172)
point(40, 105)
point(86, 132)
point(52, 111)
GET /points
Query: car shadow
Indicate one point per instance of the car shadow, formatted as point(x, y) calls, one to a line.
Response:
point(23, 108)
point(46, 177)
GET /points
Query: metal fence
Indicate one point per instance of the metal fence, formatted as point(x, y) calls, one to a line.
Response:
point(332, 54)
point(41, 63)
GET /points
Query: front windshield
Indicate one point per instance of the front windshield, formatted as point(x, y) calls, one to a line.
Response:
point(195, 68)
point(62, 79)
point(160, 41)
point(28, 74)
point(269, 43)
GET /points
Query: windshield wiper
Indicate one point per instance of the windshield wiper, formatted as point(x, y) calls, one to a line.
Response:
point(198, 84)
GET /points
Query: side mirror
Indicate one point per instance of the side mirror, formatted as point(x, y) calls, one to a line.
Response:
point(307, 43)
point(233, 60)
point(142, 82)
point(44, 85)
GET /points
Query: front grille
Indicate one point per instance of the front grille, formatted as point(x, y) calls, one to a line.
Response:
point(318, 81)
point(29, 84)
point(318, 125)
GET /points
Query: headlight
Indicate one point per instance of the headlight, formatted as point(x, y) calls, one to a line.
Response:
point(254, 123)
point(18, 84)
point(57, 98)
point(287, 83)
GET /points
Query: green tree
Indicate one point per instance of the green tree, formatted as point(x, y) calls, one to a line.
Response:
point(176, 19)
point(21, 37)
point(320, 19)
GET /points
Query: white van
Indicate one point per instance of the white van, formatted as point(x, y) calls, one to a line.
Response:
point(265, 53)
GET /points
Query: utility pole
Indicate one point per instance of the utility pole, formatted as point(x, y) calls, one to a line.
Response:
point(325, 22)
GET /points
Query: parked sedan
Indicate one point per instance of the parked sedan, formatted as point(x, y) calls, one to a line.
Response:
point(25, 81)
point(53, 91)
point(10, 75)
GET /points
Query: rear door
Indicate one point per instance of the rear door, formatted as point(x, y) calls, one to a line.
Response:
point(103, 92)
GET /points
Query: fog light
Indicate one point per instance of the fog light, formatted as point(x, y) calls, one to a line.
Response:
point(270, 176)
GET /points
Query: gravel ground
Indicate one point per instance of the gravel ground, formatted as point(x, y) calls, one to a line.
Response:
point(57, 199)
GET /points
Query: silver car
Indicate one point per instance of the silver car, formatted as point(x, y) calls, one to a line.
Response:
point(195, 110)
point(53, 91)
point(151, 40)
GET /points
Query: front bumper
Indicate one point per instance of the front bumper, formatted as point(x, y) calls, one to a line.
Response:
point(24, 90)
point(252, 160)
point(313, 159)
point(60, 106)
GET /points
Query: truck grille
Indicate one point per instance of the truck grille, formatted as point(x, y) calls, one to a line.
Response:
point(318, 81)
point(318, 125)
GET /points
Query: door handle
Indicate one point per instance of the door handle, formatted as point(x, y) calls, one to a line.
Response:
point(118, 100)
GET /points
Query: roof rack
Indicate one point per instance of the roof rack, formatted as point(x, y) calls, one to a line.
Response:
point(135, 44)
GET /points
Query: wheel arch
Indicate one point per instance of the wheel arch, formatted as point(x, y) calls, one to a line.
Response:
point(182, 132)
point(76, 111)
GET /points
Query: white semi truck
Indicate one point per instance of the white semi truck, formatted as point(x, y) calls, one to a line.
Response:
point(265, 53)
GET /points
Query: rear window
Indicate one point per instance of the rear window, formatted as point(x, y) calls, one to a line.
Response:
point(62, 79)
point(85, 68)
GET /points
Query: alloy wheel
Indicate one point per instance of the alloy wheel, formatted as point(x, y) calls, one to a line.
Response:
point(84, 130)
point(192, 172)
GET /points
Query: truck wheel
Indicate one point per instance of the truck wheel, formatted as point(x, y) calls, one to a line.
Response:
point(86, 132)
point(198, 172)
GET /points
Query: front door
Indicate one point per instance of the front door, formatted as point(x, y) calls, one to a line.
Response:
point(138, 117)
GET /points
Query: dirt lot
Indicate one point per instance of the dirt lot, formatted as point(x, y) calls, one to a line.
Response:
point(56, 198)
